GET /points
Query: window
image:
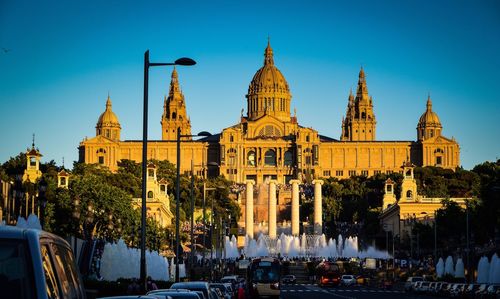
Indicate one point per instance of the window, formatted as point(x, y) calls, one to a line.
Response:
point(101, 159)
point(288, 158)
point(66, 271)
point(364, 173)
point(251, 158)
point(16, 270)
point(375, 172)
point(339, 173)
point(151, 173)
point(326, 173)
point(439, 160)
point(270, 158)
point(352, 172)
point(162, 188)
point(231, 138)
point(389, 188)
point(32, 161)
point(63, 181)
point(50, 275)
point(307, 138)
point(150, 194)
point(389, 172)
point(409, 194)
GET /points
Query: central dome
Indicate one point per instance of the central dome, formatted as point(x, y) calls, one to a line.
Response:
point(268, 93)
point(108, 117)
point(268, 78)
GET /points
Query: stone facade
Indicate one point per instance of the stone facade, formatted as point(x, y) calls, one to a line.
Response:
point(269, 142)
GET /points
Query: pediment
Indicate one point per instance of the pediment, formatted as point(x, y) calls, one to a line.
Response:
point(98, 140)
point(438, 139)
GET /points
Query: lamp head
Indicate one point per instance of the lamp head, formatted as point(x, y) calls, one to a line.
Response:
point(204, 134)
point(185, 61)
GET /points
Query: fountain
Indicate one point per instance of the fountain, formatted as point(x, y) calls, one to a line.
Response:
point(307, 246)
point(483, 269)
point(459, 269)
point(448, 267)
point(119, 261)
point(494, 275)
point(440, 268)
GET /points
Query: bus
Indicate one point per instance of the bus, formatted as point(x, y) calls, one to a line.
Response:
point(328, 274)
point(263, 277)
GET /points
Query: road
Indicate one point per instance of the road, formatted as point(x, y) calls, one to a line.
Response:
point(313, 291)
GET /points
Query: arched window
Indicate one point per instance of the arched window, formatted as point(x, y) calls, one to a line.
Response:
point(270, 158)
point(174, 115)
point(251, 158)
point(409, 194)
point(288, 158)
point(150, 194)
point(363, 115)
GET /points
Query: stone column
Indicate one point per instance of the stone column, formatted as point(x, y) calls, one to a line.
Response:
point(249, 208)
point(295, 207)
point(272, 209)
point(318, 209)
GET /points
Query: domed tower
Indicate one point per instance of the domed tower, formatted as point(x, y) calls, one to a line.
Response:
point(268, 93)
point(32, 171)
point(359, 123)
point(108, 124)
point(428, 125)
point(174, 112)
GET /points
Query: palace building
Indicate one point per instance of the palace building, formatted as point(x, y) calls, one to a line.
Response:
point(269, 143)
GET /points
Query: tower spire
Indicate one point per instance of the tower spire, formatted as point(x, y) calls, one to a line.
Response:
point(268, 54)
point(33, 142)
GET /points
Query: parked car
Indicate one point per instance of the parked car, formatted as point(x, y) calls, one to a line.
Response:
point(348, 280)
point(289, 279)
point(423, 287)
point(225, 292)
point(201, 286)
point(409, 284)
point(457, 290)
point(37, 264)
point(175, 293)
point(491, 291)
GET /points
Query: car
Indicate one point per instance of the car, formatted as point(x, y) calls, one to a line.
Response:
point(201, 286)
point(137, 297)
point(410, 282)
point(175, 293)
point(37, 264)
point(348, 280)
point(289, 279)
point(471, 289)
point(225, 291)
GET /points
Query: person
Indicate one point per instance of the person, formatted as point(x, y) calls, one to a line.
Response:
point(241, 290)
point(134, 288)
point(151, 285)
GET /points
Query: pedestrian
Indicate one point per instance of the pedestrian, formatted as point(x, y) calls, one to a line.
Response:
point(241, 291)
point(151, 285)
point(134, 288)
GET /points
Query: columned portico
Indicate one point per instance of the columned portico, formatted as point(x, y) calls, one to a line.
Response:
point(318, 208)
point(295, 207)
point(272, 209)
point(249, 208)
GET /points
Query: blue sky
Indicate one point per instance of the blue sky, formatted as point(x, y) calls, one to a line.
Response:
point(59, 60)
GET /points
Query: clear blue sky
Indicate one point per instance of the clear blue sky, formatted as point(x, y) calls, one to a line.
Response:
point(59, 60)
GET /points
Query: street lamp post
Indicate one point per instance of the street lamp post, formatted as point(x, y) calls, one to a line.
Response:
point(147, 64)
point(177, 197)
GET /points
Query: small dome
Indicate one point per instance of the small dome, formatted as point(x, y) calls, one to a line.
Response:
point(268, 78)
point(108, 118)
point(429, 118)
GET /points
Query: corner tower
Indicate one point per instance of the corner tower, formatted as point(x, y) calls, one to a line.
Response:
point(174, 112)
point(108, 124)
point(32, 171)
point(268, 93)
point(359, 123)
